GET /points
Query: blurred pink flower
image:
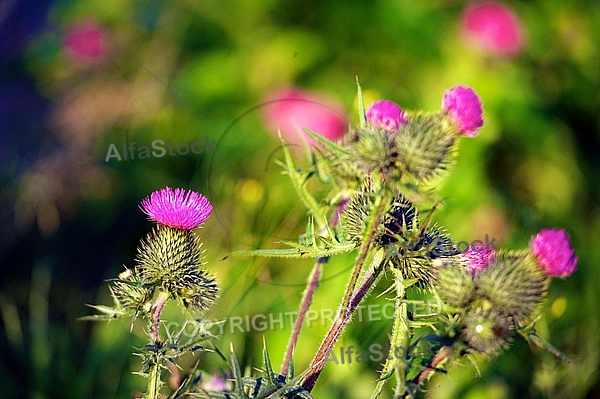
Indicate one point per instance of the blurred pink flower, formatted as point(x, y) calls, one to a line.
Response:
point(84, 40)
point(215, 383)
point(387, 115)
point(291, 110)
point(553, 251)
point(493, 27)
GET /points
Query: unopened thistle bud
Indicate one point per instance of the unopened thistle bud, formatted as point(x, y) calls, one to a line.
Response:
point(553, 252)
point(132, 293)
point(455, 285)
point(486, 330)
point(514, 285)
point(424, 146)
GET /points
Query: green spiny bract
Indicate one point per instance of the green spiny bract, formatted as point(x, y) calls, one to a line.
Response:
point(132, 293)
point(485, 329)
point(425, 145)
point(172, 259)
point(455, 285)
point(416, 153)
point(514, 284)
point(410, 248)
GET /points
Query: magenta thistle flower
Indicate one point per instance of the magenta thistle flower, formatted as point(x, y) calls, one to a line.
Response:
point(387, 115)
point(553, 252)
point(464, 107)
point(478, 260)
point(179, 208)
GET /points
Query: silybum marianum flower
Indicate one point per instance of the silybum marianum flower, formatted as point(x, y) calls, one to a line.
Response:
point(553, 252)
point(179, 208)
point(387, 115)
point(464, 109)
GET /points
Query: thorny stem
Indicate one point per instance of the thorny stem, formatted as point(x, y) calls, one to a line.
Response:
point(307, 297)
point(341, 321)
point(309, 292)
point(153, 382)
point(432, 367)
point(400, 339)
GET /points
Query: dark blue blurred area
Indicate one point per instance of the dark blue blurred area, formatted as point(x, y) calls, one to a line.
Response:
point(22, 109)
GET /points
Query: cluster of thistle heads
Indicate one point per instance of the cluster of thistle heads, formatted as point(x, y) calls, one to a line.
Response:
point(170, 258)
point(491, 293)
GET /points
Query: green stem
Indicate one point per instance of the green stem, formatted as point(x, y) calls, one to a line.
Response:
point(400, 338)
point(154, 382)
point(382, 206)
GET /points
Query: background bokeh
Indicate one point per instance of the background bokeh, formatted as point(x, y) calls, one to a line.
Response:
point(79, 75)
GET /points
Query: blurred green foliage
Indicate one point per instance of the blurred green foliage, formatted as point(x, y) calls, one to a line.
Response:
point(185, 70)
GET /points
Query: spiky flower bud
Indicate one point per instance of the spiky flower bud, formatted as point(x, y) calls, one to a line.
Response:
point(409, 247)
point(424, 146)
point(132, 293)
point(179, 208)
point(386, 115)
point(514, 284)
point(553, 252)
point(172, 259)
point(486, 330)
point(455, 285)
point(463, 106)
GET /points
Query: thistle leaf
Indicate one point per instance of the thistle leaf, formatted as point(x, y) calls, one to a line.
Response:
point(108, 313)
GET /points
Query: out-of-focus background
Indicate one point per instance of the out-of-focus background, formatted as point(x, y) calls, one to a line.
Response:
point(81, 79)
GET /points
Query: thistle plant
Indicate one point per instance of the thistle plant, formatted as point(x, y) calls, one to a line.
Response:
point(380, 204)
point(383, 176)
point(169, 266)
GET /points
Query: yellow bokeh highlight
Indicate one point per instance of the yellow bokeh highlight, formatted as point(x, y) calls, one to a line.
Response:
point(251, 190)
point(558, 307)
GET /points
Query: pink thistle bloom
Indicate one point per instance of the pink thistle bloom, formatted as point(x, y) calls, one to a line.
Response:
point(179, 208)
point(291, 110)
point(479, 260)
point(552, 249)
point(464, 107)
point(84, 40)
point(494, 27)
point(387, 115)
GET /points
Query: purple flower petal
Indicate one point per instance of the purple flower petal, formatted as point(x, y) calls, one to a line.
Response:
point(479, 260)
point(179, 208)
point(464, 107)
point(553, 251)
point(387, 115)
